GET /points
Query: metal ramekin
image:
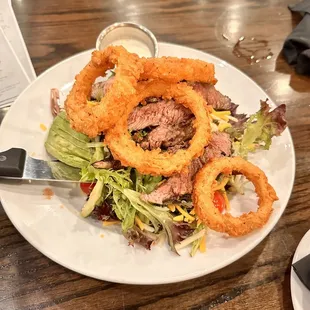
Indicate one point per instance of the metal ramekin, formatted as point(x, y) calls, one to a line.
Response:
point(127, 30)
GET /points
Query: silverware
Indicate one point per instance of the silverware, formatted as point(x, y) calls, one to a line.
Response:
point(16, 164)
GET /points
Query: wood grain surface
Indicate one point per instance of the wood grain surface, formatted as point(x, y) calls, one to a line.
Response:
point(55, 30)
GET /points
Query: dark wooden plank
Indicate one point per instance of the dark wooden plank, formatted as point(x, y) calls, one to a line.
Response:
point(55, 30)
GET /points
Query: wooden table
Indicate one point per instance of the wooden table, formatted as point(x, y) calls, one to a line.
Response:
point(55, 30)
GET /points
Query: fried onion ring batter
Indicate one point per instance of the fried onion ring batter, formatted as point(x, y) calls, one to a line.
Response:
point(156, 162)
point(210, 215)
point(173, 70)
point(91, 118)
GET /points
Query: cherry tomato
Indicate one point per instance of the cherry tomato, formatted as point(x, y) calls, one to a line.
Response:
point(219, 201)
point(87, 187)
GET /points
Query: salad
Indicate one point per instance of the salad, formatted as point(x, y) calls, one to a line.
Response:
point(153, 209)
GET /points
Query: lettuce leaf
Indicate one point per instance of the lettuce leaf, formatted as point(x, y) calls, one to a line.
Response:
point(161, 219)
point(146, 183)
point(123, 210)
point(115, 182)
point(260, 128)
point(144, 238)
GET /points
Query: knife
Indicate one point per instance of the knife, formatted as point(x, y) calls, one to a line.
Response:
point(302, 269)
point(17, 165)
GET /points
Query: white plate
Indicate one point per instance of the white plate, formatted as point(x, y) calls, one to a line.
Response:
point(300, 294)
point(59, 233)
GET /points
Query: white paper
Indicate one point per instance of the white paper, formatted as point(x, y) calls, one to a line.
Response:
point(13, 77)
point(10, 27)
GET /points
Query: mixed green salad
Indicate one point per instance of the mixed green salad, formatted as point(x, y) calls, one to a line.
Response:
point(114, 192)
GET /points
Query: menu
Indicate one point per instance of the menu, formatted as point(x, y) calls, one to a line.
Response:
point(16, 70)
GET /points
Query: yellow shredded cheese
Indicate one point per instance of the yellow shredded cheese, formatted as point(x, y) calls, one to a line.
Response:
point(139, 222)
point(192, 212)
point(221, 185)
point(226, 201)
point(171, 208)
point(185, 214)
point(222, 126)
point(178, 218)
point(202, 244)
point(220, 115)
point(231, 118)
point(92, 103)
point(190, 240)
point(43, 127)
point(109, 223)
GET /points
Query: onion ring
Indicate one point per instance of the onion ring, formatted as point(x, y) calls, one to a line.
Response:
point(92, 119)
point(156, 162)
point(210, 215)
point(173, 70)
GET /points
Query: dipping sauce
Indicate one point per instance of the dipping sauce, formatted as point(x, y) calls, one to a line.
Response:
point(133, 37)
point(134, 46)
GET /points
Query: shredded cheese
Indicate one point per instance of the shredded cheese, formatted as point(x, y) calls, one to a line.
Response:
point(202, 244)
point(43, 127)
point(171, 208)
point(192, 212)
point(220, 115)
point(223, 125)
point(92, 103)
point(185, 214)
point(139, 222)
point(148, 228)
point(178, 218)
point(232, 118)
point(215, 117)
point(221, 185)
point(226, 201)
point(189, 240)
point(109, 223)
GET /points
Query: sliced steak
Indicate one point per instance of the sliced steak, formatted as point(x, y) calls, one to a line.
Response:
point(159, 113)
point(168, 136)
point(182, 183)
point(214, 98)
point(100, 88)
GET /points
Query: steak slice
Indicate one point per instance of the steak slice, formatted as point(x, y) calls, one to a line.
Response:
point(214, 98)
point(159, 113)
point(168, 136)
point(100, 88)
point(182, 183)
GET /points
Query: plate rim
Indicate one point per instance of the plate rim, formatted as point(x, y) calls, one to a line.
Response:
point(185, 276)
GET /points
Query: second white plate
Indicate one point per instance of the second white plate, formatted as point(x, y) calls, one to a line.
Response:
point(300, 294)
